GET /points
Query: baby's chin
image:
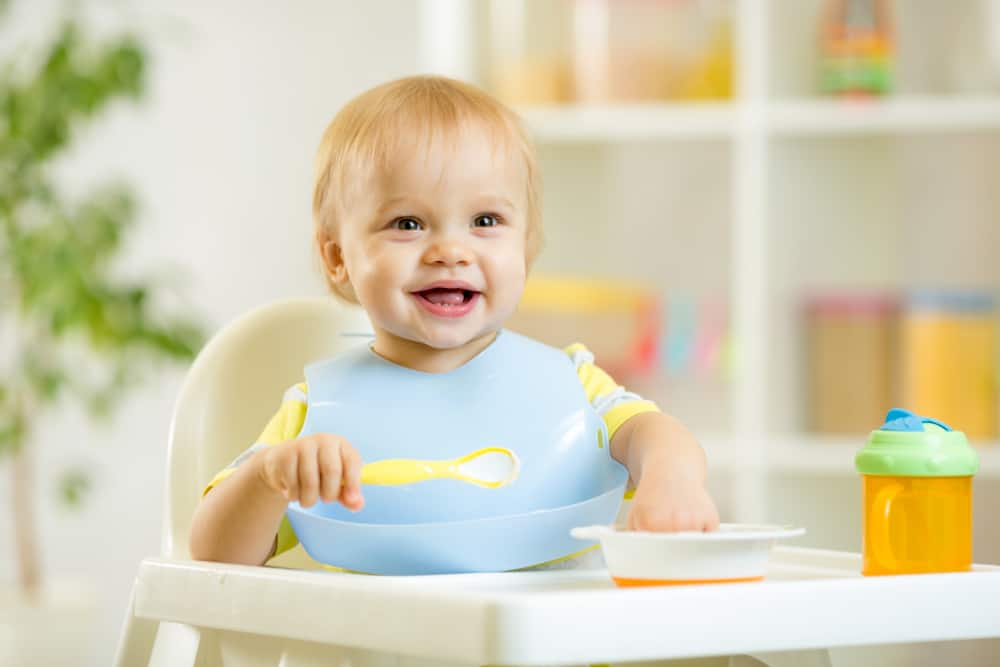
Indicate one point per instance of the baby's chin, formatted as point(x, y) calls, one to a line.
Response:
point(444, 342)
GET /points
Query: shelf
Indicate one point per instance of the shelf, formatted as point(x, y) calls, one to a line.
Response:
point(633, 121)
point(820, 455)
point(815, 454)
point(818, 117)
point(891, 115)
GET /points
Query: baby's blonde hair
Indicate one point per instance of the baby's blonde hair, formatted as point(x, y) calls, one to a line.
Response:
point(370, 128)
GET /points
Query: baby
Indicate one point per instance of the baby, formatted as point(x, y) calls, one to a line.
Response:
point(427, 214)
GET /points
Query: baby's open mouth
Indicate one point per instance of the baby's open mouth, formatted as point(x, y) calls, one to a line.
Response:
point(447, 297)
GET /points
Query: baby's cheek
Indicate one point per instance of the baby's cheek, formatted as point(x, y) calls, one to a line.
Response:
point(376, 303)
point(516, 284)
point(512, 270)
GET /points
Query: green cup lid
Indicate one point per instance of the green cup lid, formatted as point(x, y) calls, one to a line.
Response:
point(913, 446)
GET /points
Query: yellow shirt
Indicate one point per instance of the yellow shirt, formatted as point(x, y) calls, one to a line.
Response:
point(612, 403)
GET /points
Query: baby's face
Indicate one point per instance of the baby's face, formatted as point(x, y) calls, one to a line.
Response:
point(434, 247)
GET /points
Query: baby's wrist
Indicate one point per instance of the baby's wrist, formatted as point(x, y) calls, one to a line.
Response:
point(261, 486)
point(659, 465)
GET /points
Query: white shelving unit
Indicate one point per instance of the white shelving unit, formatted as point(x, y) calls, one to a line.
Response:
point(912, 114)
point(821, 455)
point(801, 118)
point(765, 157)
point(629, 123)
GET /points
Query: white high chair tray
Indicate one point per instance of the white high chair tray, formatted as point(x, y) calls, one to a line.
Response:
point(811, 599)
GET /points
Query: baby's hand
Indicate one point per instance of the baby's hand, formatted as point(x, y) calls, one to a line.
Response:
point(317, 466)
point(662, 504)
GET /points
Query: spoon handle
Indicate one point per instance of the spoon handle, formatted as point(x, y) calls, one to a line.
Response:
point(391, 472)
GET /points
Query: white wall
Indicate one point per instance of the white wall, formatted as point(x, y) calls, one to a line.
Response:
point(220, 152)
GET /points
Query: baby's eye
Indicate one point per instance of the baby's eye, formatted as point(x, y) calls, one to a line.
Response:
point(406, 224)
point(486, 220)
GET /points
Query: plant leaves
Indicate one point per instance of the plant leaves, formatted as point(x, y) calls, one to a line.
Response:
point(74, 485)
point(58, 287)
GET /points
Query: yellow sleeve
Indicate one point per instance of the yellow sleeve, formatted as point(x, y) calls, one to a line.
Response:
point(284, 425)
point(611, 401)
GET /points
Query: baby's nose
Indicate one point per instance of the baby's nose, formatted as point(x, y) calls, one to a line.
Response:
point(448, 252)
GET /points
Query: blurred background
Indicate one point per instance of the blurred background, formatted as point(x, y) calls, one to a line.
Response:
point(778, 219)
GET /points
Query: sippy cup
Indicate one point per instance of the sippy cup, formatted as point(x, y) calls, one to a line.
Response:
point(917, 498)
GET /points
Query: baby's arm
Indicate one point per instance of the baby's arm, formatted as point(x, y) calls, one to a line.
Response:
point(237, 521)
point(663, 459)
point(668, 467)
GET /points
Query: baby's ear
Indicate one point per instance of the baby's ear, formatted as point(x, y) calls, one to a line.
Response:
point(333, 258)
point(334, 268)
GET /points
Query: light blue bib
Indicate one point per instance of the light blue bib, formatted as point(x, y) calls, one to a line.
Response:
point(518, 394)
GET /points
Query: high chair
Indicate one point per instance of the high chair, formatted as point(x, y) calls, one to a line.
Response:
point(184, 612)
point(236, 382)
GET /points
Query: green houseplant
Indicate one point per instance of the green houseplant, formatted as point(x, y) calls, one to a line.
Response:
point(71, 328)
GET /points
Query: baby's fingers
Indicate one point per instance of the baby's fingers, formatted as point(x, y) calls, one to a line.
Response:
point(350, 494)
point(330, 470)
point(308, 474)
point(286, 472)
point(712, 518)
point(660, 519)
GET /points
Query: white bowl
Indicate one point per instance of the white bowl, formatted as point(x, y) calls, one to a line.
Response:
point(733, 553)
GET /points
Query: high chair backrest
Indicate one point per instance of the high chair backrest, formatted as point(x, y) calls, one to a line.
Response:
point(236, 384)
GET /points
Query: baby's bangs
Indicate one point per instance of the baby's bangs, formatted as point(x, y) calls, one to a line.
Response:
point(415, 123)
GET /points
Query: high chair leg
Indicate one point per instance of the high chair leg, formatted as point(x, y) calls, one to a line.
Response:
point(146, 643)
point(309, 654)
point(303, 654)
point(135, 644)
point(180, 645)
point(805, 658)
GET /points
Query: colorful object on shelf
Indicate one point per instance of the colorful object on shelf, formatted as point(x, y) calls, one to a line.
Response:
point(642, 50)
point(618, 321)
point(599, 51)
point(710, 76)
point(711, 343)
point(531, 50)
point(949, 360)
point(851, 359)
point(917, 497)
point(679, 335)
point(732, 554)
point(695, 337)
point(857, 47)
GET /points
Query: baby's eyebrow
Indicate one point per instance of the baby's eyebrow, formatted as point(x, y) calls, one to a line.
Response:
point(490, 200)
point(411, 201)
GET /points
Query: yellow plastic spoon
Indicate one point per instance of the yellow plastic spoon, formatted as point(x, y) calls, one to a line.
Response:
point(491, 467)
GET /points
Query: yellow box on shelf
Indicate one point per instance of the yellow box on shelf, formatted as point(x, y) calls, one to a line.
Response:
point(617, 320)
point(950, 359)
point(850, 342)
